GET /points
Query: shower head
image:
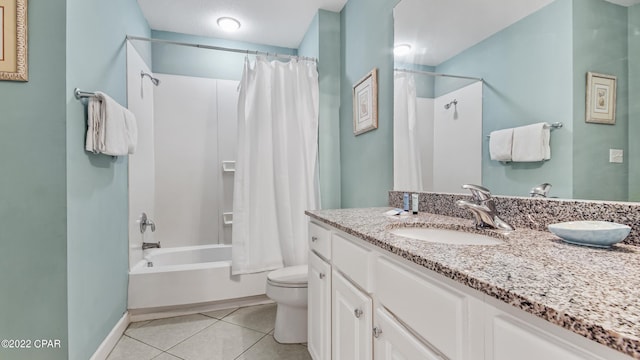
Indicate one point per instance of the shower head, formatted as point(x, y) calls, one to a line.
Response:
point(454, 103)
point(155, 81)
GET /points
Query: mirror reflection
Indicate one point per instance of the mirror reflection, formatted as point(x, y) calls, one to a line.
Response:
point(467, 69)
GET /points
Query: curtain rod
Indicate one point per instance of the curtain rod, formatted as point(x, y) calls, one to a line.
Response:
point(211, 47)
point(437, 74)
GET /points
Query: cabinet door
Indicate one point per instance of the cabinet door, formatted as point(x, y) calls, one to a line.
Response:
point(394, 342)
point(509, 338)
point(319, 308)
point(351, 321)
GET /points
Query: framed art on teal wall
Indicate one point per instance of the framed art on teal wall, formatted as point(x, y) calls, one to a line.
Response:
point(365, 103)
point(601, 99)
point(13, 40)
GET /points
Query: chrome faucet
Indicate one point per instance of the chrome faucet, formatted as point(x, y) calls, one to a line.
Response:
point(144, 223)
point(146, 245)
point(483, 208)
point(541, 190)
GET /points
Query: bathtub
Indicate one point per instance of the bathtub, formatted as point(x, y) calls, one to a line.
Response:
point(189, 275)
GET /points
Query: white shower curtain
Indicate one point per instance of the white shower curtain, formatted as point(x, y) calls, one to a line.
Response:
point(276, 176)
point(407, 168)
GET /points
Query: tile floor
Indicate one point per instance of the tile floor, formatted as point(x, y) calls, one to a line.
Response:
point(235, 334)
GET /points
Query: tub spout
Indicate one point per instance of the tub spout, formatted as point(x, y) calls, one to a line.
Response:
point(146, 245)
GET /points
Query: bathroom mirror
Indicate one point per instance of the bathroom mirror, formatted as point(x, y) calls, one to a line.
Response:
point(533, 57)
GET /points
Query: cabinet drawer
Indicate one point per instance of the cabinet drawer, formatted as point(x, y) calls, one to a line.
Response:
point(352, 260)
point(320, 240)
point(435, 311)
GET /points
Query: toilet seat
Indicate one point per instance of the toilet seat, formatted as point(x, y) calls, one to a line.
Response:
point(289, 277)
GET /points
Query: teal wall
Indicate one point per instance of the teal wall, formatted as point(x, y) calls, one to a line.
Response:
point(33, 227)
point(366, 160)
point(528, 76)
point(599, 45)
point(190, 61)
point(97, 197)
point(634, 106)
point(322, 41)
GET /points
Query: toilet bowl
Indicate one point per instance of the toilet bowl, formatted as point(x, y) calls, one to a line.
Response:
point(288, 288)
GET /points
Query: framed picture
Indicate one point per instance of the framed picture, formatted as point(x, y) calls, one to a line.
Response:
point(13, 40)
point(601, 98)
point(365, 103)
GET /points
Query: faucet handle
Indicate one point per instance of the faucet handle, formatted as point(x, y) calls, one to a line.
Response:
point(479, 193)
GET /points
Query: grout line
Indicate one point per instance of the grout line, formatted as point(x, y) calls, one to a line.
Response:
point(242, 326)
point(142, 342)
point(198, 332)
point(252, 345)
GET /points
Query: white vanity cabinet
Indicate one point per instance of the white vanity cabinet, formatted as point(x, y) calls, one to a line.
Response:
point(447, 318)
point(384, 307)
point(393, 341)
point(351, 321)
point(319, 293)
point(512, 333)
point(319, 305)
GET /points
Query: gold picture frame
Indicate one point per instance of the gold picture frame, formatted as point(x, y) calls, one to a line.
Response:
point(13, 40)
point(365, 103)
point(601, 98)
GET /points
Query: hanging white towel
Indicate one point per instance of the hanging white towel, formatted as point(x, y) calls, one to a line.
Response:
point(112, 129)
point(531, 143)
point(500, 143)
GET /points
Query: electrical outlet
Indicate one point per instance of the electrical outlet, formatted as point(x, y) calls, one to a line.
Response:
point(616, 156)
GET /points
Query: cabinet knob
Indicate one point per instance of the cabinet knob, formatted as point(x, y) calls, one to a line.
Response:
point(321, 275)
point(357, 313)
point(377, 332)
point(314, 238)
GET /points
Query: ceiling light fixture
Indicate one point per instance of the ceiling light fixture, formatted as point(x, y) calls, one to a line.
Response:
point(228, 24)
point(401, 49)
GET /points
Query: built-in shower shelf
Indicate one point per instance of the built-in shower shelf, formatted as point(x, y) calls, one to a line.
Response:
point(229, 166)
point(227, 218)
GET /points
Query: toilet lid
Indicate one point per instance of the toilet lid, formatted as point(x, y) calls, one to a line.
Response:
point(290, 275)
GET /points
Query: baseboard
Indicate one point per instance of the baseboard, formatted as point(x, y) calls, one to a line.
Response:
point(112, 339)
point(172, 311)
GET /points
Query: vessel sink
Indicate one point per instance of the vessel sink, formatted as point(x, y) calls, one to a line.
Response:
point(444, 236)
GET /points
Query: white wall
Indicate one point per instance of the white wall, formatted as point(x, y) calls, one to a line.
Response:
point(141, 164)
point(457, 156)
point(194, 131)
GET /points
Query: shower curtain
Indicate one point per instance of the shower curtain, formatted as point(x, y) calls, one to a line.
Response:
point(276, 176)
point(407, 165)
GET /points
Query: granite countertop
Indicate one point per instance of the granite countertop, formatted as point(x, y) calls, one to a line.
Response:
point(592, 292)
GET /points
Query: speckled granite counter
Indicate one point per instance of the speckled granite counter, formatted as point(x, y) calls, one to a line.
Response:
point(592, 292)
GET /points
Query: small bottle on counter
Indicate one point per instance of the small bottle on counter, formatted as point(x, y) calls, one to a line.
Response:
point(405, 202)
point(415, 201)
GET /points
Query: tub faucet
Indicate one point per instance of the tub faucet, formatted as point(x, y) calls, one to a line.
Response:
point(483, 208)
point(146, 245)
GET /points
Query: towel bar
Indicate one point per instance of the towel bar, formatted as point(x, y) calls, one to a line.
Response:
point(555, 125)
point(80, 94)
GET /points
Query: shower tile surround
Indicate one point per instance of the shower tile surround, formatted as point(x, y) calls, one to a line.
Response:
point(591, 292)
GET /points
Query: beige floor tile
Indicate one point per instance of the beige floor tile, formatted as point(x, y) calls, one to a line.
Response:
point(260, 318)
point(166, 356)
point(137, 324)
point(166, 333)
point(220, 341)
point(131, 349)
point(269, 349)
point(219, 314)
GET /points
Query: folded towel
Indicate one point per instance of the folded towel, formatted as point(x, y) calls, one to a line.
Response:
point(531, 143)
point(112, 129)
point(500, 143)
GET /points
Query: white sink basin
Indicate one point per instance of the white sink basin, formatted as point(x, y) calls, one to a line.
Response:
point(444, 236)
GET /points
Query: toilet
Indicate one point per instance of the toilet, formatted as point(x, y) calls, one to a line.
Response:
point(288, 288)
